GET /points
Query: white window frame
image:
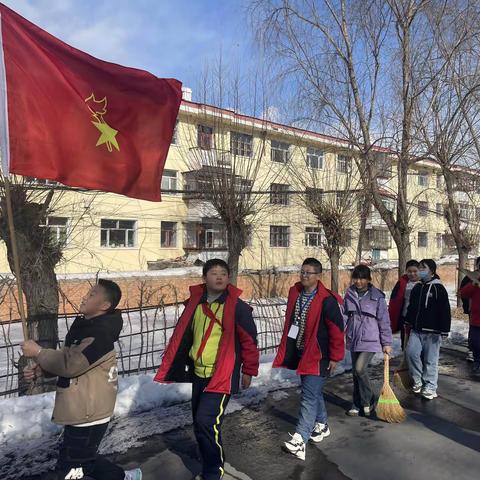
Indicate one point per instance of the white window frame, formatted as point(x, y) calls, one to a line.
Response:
point(56, 229)
point(175, 234)
point(279, 235)
point(172, 181)
point(426, 239)
point(127, 230)
point(344, 164)
point(279, 151)
point(241, 144)
point(315, 234)
point(315, 158)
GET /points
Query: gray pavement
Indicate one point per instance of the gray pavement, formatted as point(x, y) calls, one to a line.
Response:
point(440, 439)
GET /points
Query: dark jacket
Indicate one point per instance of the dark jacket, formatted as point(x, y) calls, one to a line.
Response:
point(429, 308)
point(86, 367)
point(237, 349)
point(324, 339)
point(367, 321)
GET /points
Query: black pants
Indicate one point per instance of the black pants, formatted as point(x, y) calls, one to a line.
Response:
point(208, 410)
point(362, 389)
point(78, 455)
point(474, 342)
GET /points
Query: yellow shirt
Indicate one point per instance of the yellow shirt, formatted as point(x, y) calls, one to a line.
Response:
point(205, 364)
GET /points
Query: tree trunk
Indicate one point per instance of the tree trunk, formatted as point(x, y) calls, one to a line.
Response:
point(404, 252)
point(462, 264)
point(365, 210)
point(334, 258)
point(38, 256)
point(234, 251)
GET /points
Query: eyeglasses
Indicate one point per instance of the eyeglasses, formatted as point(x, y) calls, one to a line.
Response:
point(307, 274)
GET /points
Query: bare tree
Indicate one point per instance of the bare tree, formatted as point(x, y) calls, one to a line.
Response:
point(448, 117)
point(331, 191)
point(228, 177)
point(361, 68)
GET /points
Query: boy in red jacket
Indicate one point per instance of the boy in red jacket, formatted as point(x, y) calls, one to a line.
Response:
point(471, 292)
point(312, 344)
point(214, 338)
point(400, 298)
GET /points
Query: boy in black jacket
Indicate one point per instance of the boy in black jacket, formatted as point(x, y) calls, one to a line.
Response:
point(86, 367)
point(429, 316)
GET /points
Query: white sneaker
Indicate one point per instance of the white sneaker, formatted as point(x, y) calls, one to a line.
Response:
point(353, 412)
point(320, 432)
point(296, 446)
point(417, 388)
point(429, 394)
point(469, 356)
point(135, 474)
point(367, 411)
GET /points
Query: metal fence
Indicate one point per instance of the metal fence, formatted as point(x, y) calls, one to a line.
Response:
point(145, 334)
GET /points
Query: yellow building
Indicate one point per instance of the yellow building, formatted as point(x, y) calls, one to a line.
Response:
point(108, 232)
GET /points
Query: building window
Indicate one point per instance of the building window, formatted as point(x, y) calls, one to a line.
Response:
point(344, 164)
point(241, 144)
point(313, 237)
point(439, 241)
point(439, 209)
point(423, 179)
point(41, 181)
point(377, 238)
point(422, 239)
point(314, 158)
point(169, 180)
point(279, 151)
point(346, 238)
point(463, 209)
point(279, 236)
point(313, 195)
point(168, 234)
point(175, 134)
point(58, 227)
point(389, 204)
point(279, 194)
point(439, 181)
point(422, 209)
point(205, 236)
point(118, 233)
point(204, 137)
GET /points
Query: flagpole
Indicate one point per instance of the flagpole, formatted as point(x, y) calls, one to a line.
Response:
point(16, 260)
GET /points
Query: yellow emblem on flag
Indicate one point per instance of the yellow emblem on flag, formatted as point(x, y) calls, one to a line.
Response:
point(98, 108)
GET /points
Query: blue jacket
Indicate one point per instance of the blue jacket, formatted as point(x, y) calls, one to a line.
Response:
point(367, 323)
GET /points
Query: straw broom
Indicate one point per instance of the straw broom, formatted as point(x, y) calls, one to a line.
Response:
point(388, 406)
point(401, 375)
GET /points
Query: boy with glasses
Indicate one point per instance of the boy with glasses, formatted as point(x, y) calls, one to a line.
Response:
point(312, 344)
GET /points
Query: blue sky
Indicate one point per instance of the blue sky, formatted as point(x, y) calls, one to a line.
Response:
point(170, 38)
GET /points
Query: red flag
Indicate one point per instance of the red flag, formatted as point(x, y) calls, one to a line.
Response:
point(69, 117)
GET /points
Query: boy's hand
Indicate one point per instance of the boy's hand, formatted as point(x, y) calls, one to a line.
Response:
point(31, 373)
point(387, 349)
point(30, 348)
point(331, 367)
point(246, 381)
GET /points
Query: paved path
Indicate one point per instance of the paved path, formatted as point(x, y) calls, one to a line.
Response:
point(440, 439)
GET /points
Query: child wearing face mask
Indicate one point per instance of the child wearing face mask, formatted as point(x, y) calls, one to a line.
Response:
point(400, 298)
point(429, 317)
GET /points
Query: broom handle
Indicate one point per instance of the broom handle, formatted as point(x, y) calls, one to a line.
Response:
point(386, 368)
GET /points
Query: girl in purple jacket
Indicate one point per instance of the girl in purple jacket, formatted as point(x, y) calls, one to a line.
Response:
point(368, 331)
